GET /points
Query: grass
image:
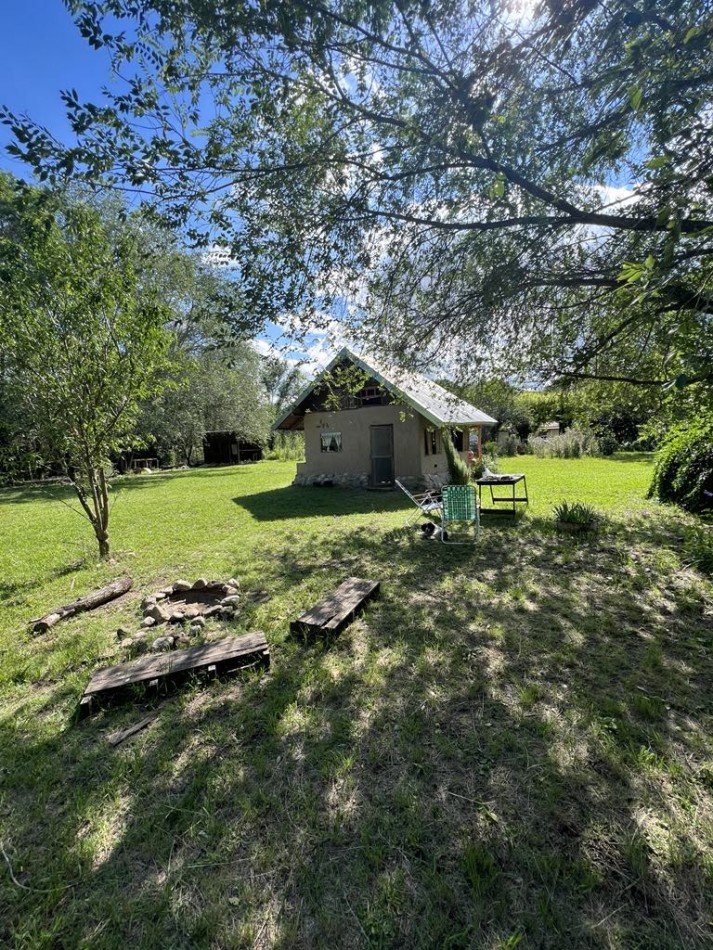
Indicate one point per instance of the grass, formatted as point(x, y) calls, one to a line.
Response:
point(511, 747)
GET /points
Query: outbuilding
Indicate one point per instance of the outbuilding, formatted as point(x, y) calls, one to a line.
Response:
point(367, 423)
point(227, 448)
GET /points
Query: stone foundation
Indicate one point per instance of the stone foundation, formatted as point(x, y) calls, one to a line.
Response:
point(361, 480)
point(351, 480)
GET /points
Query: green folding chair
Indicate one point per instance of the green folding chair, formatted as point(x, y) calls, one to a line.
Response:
point(460, 504)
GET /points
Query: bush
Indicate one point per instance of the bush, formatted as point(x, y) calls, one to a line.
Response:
point(458, 470)
point(507, 442)
point(607, 443)
point(572, 444)
point(480, 465)
point(684, 466)
point(286, 447)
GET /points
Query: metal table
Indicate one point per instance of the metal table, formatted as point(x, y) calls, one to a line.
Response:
point(509, 481)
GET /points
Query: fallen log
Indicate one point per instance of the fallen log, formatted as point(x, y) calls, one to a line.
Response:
point(95, 599)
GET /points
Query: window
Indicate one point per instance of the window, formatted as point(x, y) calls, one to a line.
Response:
point(432, 443)
point(331, 441)
point(371, 396)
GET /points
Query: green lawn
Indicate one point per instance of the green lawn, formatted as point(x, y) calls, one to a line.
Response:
point(513, 746)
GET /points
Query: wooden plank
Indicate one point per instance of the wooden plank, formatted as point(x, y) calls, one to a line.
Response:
point(221, 657)
point(119, 737)
point(334, 612)
point(163, 664)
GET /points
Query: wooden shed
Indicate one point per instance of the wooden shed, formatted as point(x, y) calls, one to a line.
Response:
point(227, 448)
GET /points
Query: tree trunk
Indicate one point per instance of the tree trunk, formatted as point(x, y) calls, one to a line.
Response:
point(103, 539)
point(95, 508)
point(95, 599)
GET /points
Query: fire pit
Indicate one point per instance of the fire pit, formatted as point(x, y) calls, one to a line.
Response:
point(182, 605)
point(183, 601)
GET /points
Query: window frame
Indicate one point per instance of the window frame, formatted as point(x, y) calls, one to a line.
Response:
point(326, 449)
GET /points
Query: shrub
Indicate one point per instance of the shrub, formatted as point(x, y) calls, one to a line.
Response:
point(507, 442)
point(607, 443)
point(684, 466)
point(458, 470)
point(480, 465)
point(572, 444)
point(576, 513)
point(286, 447)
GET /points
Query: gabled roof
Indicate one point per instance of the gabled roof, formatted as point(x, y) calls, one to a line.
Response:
point(432, 401)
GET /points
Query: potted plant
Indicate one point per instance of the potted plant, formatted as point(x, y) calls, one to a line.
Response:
point(576, 517)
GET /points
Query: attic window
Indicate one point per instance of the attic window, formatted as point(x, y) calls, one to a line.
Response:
point(331, 441)
point(371, 396)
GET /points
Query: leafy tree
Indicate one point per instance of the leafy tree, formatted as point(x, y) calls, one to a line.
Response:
point(538, 186)
point(81, 342)
point(213, 391)
point(282, 381)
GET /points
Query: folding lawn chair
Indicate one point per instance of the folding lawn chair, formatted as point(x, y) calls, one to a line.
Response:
point(460, 503)
point(428, 502)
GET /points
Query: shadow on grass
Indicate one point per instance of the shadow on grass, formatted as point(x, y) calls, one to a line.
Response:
point(511, 747)
point(296, 502)
point(631, 457)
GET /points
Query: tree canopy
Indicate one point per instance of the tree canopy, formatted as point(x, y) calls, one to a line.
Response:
point(531, 180)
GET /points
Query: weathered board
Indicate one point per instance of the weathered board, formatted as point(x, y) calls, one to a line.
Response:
point(222, 657)
point(336, 611)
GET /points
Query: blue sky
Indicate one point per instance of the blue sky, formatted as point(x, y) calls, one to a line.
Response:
point(41, 52)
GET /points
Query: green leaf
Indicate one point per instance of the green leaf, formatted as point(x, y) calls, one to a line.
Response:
point(636, 96)
point(659, 161)
point(631, 272)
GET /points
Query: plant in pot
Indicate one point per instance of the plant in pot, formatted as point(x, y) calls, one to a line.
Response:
point(575, 517)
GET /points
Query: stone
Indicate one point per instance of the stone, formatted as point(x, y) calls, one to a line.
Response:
point(177, 616)
point(180, 586)
point(148, 622)
point(122, 632)
point(162, 595)
point(212, 611)
point(198, 622)
point(230, 601)
point(162, 643)
point(191, 612)
point(200, 583)
point(159, 614)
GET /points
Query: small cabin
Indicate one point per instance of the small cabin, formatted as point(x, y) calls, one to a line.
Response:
point(367, 423)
